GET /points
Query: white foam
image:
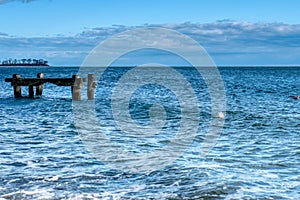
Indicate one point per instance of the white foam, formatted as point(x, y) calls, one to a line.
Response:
point(53, 178)
point(35, 193)
point(272, 176)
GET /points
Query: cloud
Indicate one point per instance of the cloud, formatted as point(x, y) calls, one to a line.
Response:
point(23, 1)
point(231, 42)
point(220, 32)
point(3, 34)
point(228, 42)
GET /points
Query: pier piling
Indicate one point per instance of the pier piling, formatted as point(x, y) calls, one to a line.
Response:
point(31, 91)
point(91, 87)
point(76, 95)
point(17, 88)
point(39, 88)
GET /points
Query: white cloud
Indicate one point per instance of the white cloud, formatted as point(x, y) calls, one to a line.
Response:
point(228, 42)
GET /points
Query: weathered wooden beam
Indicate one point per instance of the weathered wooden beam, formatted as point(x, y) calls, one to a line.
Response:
point(17, 88)
point(39, 81)
point(61, 81)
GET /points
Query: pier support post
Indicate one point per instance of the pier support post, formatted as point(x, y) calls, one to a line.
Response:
point(31, 92)
point(76, 88)
point(91, 87)
point(17, 88)
point(39, 88)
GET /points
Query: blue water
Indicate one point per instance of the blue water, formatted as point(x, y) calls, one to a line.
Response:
point(257, 156)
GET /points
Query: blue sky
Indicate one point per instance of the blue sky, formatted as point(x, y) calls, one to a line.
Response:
point(234, 32)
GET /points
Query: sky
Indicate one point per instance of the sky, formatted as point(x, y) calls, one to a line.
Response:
point(233, 32)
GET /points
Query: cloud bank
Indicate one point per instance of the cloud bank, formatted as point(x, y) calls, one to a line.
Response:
point(228, 42)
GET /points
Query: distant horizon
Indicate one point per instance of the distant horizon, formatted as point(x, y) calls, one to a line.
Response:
point(219, 66)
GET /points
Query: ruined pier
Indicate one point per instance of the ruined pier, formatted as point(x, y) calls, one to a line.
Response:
point(76, 83)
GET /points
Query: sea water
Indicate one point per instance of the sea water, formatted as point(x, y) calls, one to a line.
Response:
point(257, 155)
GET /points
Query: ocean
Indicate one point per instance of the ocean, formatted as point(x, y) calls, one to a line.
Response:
point(45, 152)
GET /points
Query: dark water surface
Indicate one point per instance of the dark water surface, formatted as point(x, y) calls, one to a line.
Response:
point(257, 156)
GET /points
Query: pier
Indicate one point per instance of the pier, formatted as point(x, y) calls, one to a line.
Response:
point(76, 83)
